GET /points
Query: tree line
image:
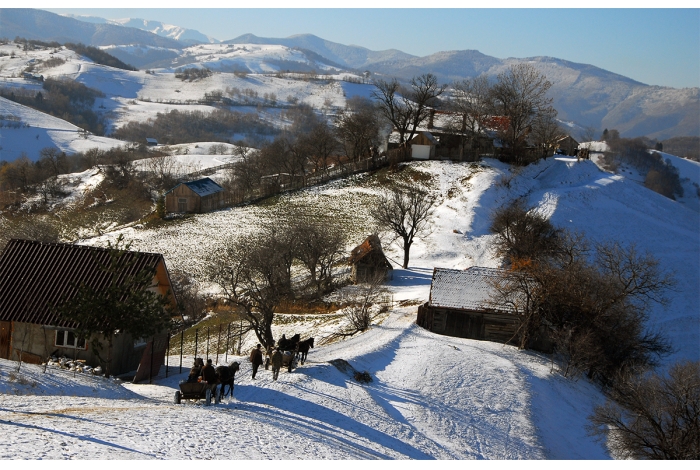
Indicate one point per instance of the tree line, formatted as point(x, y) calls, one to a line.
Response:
point(515, 108)
point(65, 99)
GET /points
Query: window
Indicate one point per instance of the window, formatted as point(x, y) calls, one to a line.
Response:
point(182, 204)
point(67, 339)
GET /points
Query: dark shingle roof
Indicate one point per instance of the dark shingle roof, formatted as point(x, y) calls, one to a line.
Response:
point(35, 275)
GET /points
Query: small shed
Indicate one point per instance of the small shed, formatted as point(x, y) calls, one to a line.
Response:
point(460, 305)
point(368, 261)
point(151, 142)
point(423, 146)
point(34, 276)
point(567, 144)
point(199, 196)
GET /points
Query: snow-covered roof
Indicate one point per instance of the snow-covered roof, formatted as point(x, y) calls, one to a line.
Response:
point(469, 289)
point(203, 187)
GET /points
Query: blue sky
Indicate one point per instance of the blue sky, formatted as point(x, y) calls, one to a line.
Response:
point(653, 46)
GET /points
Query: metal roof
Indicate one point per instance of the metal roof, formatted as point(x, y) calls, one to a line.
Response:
point(470, 289)
point(35, 275)
point(203, 187)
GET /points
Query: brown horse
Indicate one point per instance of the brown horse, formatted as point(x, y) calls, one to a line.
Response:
point(303, 349)
point(226, 374)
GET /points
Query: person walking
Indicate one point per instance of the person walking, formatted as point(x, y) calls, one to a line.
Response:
point(276, 363)
point(256, 358)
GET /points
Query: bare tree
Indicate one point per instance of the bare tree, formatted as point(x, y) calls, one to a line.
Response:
point(319, 246)
point(358, 129)
point(360, 312)
point(406, 108)
point(546, 132)
point(520, 95)
point(191, 304)
point(472, 106)
point(655, 417)
point(405, 213)
point(254, 275)
point(320, 144)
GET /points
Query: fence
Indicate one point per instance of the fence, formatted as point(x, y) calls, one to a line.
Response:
point(206, 342)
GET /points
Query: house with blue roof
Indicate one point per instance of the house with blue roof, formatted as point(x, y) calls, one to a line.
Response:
point(198, 196)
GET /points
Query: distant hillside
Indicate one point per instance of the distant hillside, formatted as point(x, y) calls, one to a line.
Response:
point(585, 94)
point(47, 26)
point(354, 57)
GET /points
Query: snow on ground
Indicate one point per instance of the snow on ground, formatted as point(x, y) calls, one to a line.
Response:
point(37, 130)
point(575, 195)
point(431, 396)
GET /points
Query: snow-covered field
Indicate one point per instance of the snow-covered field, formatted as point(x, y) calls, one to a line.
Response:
point(431, 396)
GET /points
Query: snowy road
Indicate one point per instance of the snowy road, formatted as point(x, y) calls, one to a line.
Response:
point(431, 397)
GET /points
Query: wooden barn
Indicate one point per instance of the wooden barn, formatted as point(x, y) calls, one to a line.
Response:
point(460, 305)
point(369, 262)
point(568, 145)
point(34, 276)
point(202, 195)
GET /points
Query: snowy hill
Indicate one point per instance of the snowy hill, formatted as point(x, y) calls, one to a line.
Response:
point(35, 130)
point(431, 396)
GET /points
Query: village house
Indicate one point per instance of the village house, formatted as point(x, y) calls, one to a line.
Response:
point(369, 262)
point(35, 276)
point(151, 142)
point(461, 305)
point(199, 196)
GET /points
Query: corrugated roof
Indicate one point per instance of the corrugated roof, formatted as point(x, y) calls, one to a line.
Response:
point(35, 275)
point(469, 289)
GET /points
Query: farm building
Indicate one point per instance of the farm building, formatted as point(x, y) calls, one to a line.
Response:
point(568, 145)
point(423, 146)
point(34, 276)
point(460, 305)
point(199, 196)
point(369, 262)
point(151, 142)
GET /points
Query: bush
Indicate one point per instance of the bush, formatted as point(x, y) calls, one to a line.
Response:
point(655, 417)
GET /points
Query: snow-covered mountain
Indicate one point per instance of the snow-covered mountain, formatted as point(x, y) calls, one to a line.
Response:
point(184, 35)
point(583, 93)
point(46, 26)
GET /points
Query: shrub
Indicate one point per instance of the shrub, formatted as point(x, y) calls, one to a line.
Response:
point(655, 417)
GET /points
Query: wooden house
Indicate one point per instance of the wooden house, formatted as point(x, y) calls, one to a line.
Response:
point(34, 276)
point(202, 195)
point(461, 305)
point(369, 262)
point(151, 142)
point(567, 145)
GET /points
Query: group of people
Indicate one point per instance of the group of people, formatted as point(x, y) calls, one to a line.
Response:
point(276, 359)
point(201, 372)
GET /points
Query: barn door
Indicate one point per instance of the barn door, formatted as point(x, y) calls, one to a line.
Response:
point(5, 336)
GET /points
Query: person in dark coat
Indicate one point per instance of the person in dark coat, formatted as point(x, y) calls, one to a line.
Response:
point(256, 358)
point(195, 371)
point(276, 363)
point(209, 376)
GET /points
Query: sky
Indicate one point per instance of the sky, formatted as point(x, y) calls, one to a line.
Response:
point(653, 46)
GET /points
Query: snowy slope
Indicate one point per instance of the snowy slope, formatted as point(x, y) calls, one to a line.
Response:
point(431, 397)
point(38, 130)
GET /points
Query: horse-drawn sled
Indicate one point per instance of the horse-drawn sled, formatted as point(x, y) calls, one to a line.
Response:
point(197, 391)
